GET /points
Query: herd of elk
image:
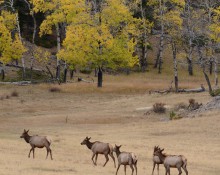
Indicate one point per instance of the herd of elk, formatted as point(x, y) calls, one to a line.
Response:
point(124, 158)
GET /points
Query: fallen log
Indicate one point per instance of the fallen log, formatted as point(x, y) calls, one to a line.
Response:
point(196, 90)
point(21, 83)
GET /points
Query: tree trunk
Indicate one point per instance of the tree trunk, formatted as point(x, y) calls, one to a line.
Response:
point(58, 72)
point(65, 75)
point(208, 81)
point(161, 47)
point(58, 49)
point(216, 71)
point(189, 50)
point(210, 66)
point(71, 74)
point(175, 66)
point(51, 75)
point(19, 34)
point(190, 66)
point(3, 74)
point(100, 77)
point(144, 46)
point(96, 72)
point(30, 7)
point(157, 59)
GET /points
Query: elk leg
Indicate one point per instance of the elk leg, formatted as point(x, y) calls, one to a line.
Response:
point(92, 158)
point(51, 154)
point(132, 169)
point(30, 152)
point(96, 157)
point(117, 169)
point(184, 168)
point(168, 170)
point(47, 153)
point(153, 168)
point(112, 156)
point(107, 159)
point(179, 169)
point(125, 169)
point(135, 166)
point(33, 153)
point(158, 169)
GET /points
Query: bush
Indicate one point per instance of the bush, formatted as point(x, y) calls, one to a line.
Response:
point(215, 92)
point(180, 106)
point(55, 89)
point(159, 108)
point(14, 94)
point(193, 105)
point(174, 116)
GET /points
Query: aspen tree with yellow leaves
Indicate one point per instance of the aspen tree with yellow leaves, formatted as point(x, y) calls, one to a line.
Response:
point(11, 47)
point(9, 5)
point(101, 37)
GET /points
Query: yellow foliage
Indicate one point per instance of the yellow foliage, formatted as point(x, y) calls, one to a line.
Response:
point(105, 43)
point(9, 19)
point(9, 49)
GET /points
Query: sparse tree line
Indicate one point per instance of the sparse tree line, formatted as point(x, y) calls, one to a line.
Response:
point(111, 34)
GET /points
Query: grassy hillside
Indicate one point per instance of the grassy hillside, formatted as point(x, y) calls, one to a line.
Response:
point(113, 114)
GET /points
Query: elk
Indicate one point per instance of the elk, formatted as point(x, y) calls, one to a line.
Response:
point(37, 142)
point(125, 158)
point(156, 160)
point(172, 161)
point(99, 148)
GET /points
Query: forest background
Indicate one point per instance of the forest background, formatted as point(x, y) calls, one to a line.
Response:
point(44, 40)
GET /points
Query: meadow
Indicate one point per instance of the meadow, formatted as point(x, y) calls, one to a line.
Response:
point(113, 114)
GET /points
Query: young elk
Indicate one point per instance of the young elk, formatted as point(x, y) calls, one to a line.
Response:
point(99, 148)
point(37, 142)
point(125, 158)
point(172, 161)
point(156, 160)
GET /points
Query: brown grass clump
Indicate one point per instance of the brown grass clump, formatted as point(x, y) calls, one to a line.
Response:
point(180, 106)
point(192, 101)
point(193, 105)
point(159, 108)
point(7, 97)
point(14, 94)
point(55, 89)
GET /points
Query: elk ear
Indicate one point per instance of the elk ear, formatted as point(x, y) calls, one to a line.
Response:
point(120, 146)
point(89, 138)
point(27, 131)
point(24, 130)
point(162, 150)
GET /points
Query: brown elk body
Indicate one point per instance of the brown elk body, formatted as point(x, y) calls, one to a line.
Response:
point(172, 161)
point(37, 142)
point(126, 158)
point(99, 148)
point(156, 160)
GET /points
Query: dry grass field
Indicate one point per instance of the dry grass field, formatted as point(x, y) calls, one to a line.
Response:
point(113, 114)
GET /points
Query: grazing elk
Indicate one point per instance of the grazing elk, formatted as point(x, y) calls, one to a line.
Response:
point(172, 161)
point(99, 148)
point(125, 158)
point(37, 142)
point(156, 160)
